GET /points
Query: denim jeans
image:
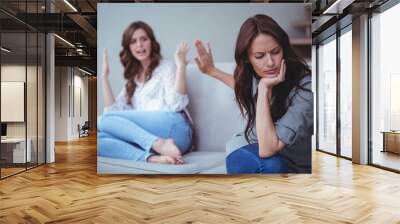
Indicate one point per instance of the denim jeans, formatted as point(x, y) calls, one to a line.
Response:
point(130, 134)
point(247, 160)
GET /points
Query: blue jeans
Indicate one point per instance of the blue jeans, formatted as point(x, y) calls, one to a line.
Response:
point(247, 160)
point(130, 134)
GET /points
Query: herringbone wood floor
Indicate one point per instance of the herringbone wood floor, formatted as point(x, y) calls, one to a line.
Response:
point(70, 191)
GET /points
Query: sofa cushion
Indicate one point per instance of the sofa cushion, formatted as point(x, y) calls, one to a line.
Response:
point(195, 162)
point(216, 119)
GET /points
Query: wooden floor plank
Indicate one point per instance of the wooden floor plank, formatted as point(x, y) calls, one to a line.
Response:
point(70, 191)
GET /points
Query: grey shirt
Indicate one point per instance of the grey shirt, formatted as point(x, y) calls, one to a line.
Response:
point(294, 128)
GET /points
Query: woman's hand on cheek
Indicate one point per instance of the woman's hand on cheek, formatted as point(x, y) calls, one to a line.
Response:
point(268, 83)
point(180, 54)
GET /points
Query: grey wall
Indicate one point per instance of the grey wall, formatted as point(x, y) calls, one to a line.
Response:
point(212, 22)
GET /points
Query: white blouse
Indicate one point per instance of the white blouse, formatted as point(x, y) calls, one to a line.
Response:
point(156, 94)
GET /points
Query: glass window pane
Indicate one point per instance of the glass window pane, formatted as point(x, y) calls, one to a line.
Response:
point(327, 96)
point(346, 94)
point(385, 89)
point(23, 84)
point(31, 97)
point(41, 98)
point(13, 86)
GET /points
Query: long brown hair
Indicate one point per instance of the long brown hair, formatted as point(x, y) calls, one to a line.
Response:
point(296, 69)
point(132, 66)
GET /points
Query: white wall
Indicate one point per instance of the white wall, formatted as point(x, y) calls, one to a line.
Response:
point(15, 72)
point(33, 126)
point(80, 83)
point(61, 103)
point(67, 114)
point(216, 23)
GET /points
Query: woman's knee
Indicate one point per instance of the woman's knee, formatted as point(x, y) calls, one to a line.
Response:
point(246, 160)
point(242, 161)
point(114, 148)
point(102, 134)
point(274, 164)
point(111, 122)
point(102, 122)
point(182, 135)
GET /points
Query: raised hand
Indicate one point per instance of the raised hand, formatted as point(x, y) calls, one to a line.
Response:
point(181, 53)
point(204, 59)
point(106, 67)
point(268, 83)
point(107, 90)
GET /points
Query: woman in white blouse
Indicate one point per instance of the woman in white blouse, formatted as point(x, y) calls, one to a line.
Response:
point(147, 121)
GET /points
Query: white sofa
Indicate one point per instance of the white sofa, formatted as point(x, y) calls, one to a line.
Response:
point(216, 118)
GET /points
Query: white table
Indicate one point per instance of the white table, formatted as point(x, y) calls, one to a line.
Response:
point(19, 149)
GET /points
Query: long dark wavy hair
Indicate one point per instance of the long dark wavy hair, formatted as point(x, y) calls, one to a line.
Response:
point(132, 66)
point(296, 69)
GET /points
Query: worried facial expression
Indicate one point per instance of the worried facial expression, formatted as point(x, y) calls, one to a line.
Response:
point(265, 55)
point(140, 45)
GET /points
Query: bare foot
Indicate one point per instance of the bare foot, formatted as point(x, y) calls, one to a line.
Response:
point(161, 159)
point(167, 147)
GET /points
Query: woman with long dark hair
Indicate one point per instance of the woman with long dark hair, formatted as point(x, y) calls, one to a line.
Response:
point(148, 120)
point(273, 90)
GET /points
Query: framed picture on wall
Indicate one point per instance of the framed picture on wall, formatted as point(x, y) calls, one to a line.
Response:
point(180, 82)
point(12, 101)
